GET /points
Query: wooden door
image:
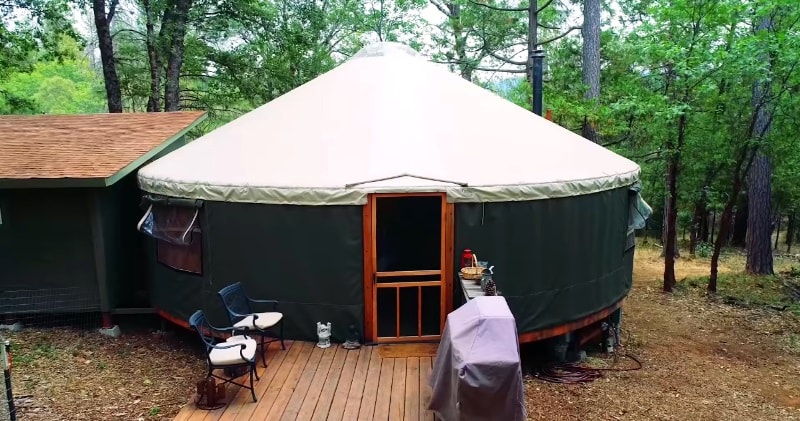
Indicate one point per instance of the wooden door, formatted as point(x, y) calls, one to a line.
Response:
point(407, 264)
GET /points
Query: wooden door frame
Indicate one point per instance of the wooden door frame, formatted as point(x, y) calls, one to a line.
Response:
point(369, 222)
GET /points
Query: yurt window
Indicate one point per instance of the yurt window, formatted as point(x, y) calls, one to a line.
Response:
point(178, 236)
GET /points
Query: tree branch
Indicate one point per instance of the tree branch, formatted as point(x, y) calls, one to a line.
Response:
point(484, 69)
point(504, 59)
point(441, 7)
point(557, 37)
point(500, 9)
point(128, 30)
point(539, 10)
point(112, 9)
point(480, 69)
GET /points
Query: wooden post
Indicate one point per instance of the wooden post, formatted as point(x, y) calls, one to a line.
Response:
point(101, 271)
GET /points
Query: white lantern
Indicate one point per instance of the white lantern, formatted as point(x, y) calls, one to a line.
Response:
point(324, 334)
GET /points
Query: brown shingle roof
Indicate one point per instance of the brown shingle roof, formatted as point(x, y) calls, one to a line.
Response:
point(94, 146)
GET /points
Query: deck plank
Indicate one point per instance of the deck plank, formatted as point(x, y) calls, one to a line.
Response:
point(343, 388)
point(234, 395)
point(411, 399)
point(384, 390)
point(425, 364)
point(317, 383)
point(290, 383)
point(367, 408)
point(186, 412)
point(353, 403)
point(266, 377)
point(267, 398)
point(329, 388)
point(243, 397)
point(396, 406)
point(303, 383)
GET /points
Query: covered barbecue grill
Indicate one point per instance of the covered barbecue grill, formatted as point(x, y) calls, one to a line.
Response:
point(477, 374)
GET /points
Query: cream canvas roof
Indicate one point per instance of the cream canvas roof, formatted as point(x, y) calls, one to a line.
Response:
point(387, 120)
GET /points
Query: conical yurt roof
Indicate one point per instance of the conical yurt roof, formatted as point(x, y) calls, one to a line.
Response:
point(387, 120)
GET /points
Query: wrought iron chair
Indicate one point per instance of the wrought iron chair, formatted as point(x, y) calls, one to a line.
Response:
point(236, 352)
point(245, 320)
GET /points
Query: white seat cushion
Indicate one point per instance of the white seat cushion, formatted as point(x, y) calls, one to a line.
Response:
point(263, 321)
point(233, 355)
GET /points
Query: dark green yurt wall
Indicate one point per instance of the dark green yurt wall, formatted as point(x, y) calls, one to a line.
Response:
point(556, 260)
point(307, 257)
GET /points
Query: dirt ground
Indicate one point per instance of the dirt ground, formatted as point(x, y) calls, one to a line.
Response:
point(76, 374)
point(702, 360)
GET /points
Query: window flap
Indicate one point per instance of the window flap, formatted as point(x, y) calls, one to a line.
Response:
point(639, 211)
point(172, 224)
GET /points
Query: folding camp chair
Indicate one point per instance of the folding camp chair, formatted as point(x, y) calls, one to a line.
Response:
point(236, 352)
point(244, 320)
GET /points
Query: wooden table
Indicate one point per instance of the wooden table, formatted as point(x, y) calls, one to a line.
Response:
point(470, 288)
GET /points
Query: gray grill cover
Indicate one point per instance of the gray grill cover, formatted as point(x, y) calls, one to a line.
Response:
point(477, 374)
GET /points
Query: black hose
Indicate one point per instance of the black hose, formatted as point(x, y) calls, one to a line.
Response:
point(573, 373)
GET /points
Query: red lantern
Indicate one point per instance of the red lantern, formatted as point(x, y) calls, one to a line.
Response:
point(466, 258)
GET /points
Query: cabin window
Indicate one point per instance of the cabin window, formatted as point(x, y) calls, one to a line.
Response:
point(178, 235)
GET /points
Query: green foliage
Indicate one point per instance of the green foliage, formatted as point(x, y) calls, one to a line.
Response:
point(704, 250)
point(67, 85)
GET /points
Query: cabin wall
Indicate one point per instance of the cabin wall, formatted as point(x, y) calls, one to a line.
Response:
point(556, 260)
point(124, 246)
point(307, 257)
point(46, 251)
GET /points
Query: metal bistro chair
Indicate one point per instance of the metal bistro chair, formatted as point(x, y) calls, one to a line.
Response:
point(236, 352)
point(243, 319)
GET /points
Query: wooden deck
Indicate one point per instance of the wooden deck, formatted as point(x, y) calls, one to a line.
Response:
point(308, 383)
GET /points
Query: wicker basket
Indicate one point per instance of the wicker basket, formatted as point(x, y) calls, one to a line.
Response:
point(473, 273)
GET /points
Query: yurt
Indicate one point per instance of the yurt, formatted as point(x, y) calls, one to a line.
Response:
point(351, 199)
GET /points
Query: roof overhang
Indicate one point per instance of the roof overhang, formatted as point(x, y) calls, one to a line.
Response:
point(58, 183)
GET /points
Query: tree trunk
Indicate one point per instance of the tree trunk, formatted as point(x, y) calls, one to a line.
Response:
point(739, 235)
point(591, 62)
point(177, 32)
point(671, 213)
point(706, 226)
point(664, 225)
point(459, 41)
point(744, 160)
point(699, 219)
point(759, 188)
point(671, 210)
point(790, 232)
point(713, 226)
point(724, 227)
point(102, 22)
point(154, 60)
point(725, 219)
point(778, 222)
point(759, 237)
